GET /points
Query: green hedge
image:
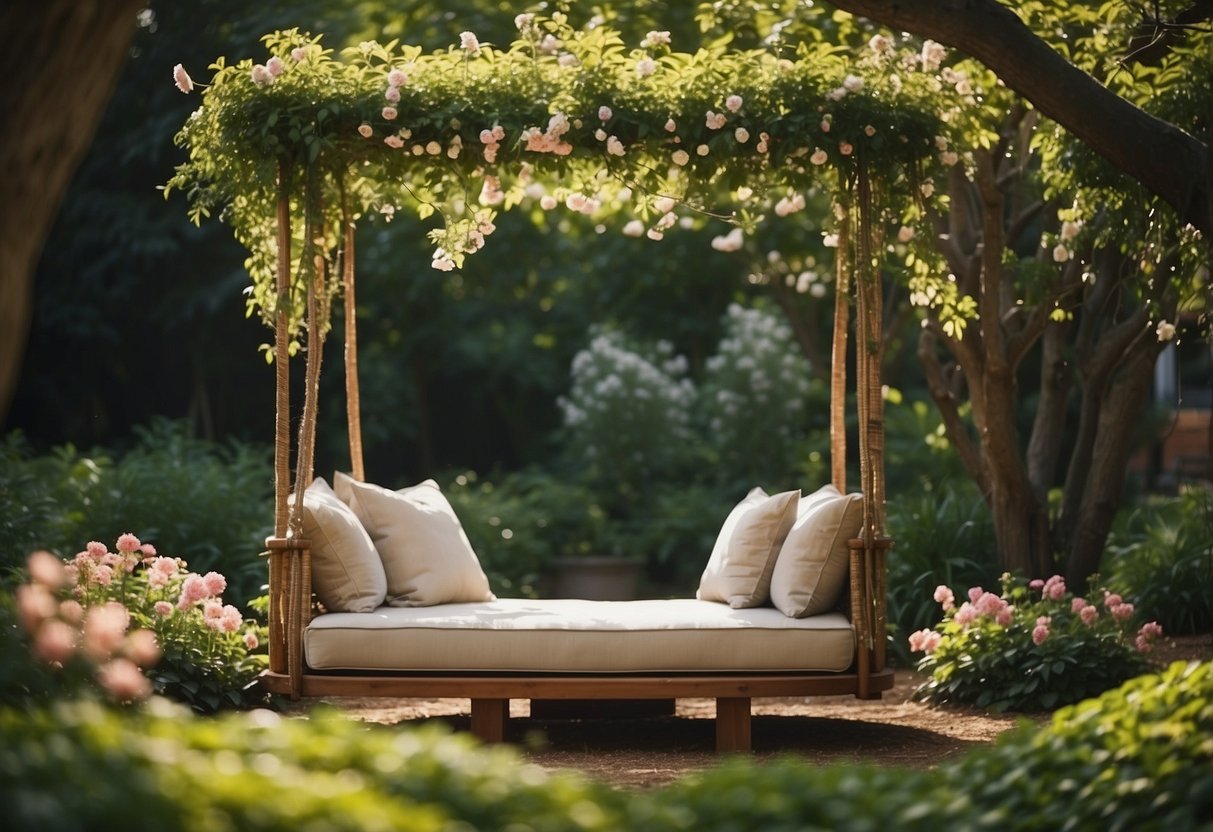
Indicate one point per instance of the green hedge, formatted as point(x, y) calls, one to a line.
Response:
point(1139, 757)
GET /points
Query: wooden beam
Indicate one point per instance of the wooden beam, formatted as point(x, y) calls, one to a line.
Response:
point(732, 724)
point(489, 718)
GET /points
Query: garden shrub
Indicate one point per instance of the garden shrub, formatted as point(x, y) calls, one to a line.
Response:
point(1160, 555)
point(1139, 757)
point(210, 503)
point(941, 536)
point(131, 622)
point(1034, 647)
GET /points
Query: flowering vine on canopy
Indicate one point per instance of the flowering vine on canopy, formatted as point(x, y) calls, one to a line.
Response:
point(561, 117)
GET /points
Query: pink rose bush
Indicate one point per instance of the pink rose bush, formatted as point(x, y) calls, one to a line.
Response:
point(1031, 646)
point(133, 623)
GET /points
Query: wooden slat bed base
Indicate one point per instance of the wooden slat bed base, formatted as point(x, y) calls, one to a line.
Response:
point(490, 694)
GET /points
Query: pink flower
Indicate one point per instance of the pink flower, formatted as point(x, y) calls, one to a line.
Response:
point(966, 615)
point(733, 103)
point(1077, 604)
point(1111, 599)
point(96, 550)
point(71, 573)
point(1151, 629)
point(1036, 583)
point(46, 569)
point(55, 642)
point(123, 681)
point(231, 620)
point(164, 609)
point(1089, 615)
point(299, 54)
point(989, 604)
point(1039, 633)
point(104, 628)
point(1122, 612)
point(1055, 588)
point(128, 543)
point(148, 550)
point(250, 640)
point(604, 113)
point(1005, 616)
point(193, 590)
point(715, 120)
point(182, 79)
point(945, 598)
point(918, 641)
point(101, 575)
point(1143, 644)
point(71, 611)
point(976, 592)
point(142, 648)
point(165, 566)
point(397, 78)
point(261, 76)
point(392, 95)
point(111, 559)
point(389, 113)
point(365, 130)
point(215, 583)
point(275, 66)
point(212, 609)
point(742, 135)
point(670, 126)
point(845, 148)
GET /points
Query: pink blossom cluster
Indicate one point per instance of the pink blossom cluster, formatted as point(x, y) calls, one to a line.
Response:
point(549, 140)
point(987, 604)
point(1041, 631)
point(198, 588)
point(945, 598)
point(1148, 632)
point(267, 73)
point(222, 618)
point(491, 139)
point(924, 641)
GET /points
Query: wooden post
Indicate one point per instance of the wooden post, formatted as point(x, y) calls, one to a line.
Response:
point(488, 719)
point(732, 724)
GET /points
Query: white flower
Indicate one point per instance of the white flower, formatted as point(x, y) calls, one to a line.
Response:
point(1165, 331)
point(614, 146)
point(880, 44)
point(681, 157)
point(927, 188)
point(819, 157)
point(733, 103)
point(634, 228)
point(702, 150)
point(742, 135)
point(1070, 229)
point(550, 44)
point(664, 204)
point(933, 55)
point(262, 76)
point(655, 39)
point(547, 202)
point(604, 113)
point(645, 67)
point(670, 126)
point(600, 134)
point(1060, 253)
point(949, 157)
point(567, 59)
point(728, 242)
point(829, 240)
point(715, 120)
point(524, 22)
point(852, 83)
point(905, 234)
point(433, 148)
point(469, 43)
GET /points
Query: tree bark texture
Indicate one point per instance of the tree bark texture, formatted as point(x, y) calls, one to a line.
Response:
point(1167, 161)
point(59, 62)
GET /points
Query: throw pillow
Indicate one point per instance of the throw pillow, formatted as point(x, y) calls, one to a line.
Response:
point(426, 554)
point(812, 565)
point(347, 575)
point(739, 570)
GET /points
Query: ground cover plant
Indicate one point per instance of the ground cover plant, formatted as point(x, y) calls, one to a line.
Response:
point(1035, 646)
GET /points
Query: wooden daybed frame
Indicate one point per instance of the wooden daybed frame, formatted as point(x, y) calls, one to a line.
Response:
point(291, 604)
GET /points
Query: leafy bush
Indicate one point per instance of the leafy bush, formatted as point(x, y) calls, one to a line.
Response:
point(212, 504)
point(520, 523)
point(942, 536)
point(754, 401)
point(136, 622)
point(1160, 554)
point(1034, 647)
point(1139, 757)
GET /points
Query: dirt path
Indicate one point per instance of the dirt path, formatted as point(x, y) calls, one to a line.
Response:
point(645, 752)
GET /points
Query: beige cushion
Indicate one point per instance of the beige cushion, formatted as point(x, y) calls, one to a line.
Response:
point(426, 554)
point(680, 635)
point(812, 565)
point(347, 574)
point(739, 570)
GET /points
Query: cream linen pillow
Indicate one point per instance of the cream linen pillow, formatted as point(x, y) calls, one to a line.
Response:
point(739, 570)
point(426, 554)
point(347, 574)
point(812, 565)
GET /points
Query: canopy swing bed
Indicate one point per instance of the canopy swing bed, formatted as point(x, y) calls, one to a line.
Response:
point(376, 592)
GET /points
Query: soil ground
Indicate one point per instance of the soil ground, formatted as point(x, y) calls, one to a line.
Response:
point(645, 752)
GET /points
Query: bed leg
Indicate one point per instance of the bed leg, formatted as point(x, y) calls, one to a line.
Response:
point(488, 719)
point(732, 724)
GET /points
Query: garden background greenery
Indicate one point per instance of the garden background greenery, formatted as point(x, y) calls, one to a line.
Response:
point(578, 390)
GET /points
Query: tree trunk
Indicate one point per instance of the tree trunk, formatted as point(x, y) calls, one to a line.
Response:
point(1167, 161)
point(59, 61)
point(1048, 425)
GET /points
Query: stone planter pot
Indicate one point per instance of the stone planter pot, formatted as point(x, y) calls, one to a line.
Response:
point(596, 578)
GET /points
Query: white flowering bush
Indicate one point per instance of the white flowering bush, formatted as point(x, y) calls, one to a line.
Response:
point(1035, 646)
point(134, 622)
point(627, 416)
point(754, 401)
